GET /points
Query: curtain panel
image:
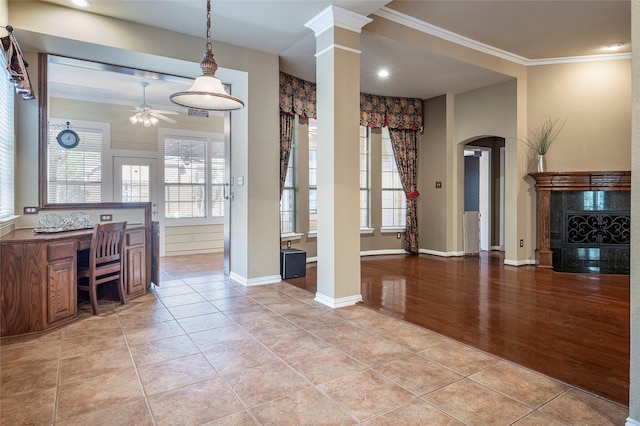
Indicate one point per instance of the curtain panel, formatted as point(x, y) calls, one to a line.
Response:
point(287, 124)
point(405, 151)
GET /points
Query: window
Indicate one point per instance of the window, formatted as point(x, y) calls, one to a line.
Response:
point(364, 177)
point(313, 174)
point(394, 205)
point(184, 177)
point(288, 200)
point(6, 143)
point(194, 176)
point(135, 183)
point(75, 175)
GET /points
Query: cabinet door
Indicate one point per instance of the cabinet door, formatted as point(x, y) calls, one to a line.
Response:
point(61, 290)
point(136, 277)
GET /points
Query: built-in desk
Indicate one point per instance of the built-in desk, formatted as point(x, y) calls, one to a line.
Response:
point(38, 276)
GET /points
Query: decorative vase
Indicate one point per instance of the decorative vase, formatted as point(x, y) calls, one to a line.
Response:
point(542, 163)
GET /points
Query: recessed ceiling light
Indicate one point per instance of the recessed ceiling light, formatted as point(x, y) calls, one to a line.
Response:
point(383, 73)
point(81, 3)
point(614, 46)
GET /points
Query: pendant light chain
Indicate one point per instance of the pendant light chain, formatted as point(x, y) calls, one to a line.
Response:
point(209, 47)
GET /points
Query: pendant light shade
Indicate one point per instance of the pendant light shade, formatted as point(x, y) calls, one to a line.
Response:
point(207, 92)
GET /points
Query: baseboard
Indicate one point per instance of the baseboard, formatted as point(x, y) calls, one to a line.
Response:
point(632, 422)
point(338, 303)
point(383, 252)
point(442, 253)
point(496, 248)
point(519, 262)
point(255, 281)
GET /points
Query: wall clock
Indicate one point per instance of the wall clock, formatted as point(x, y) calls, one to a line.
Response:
point(67, 138)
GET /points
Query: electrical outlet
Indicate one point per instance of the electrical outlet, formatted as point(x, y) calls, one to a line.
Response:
point(438, 184)
point(30, 210)
point(106, 218)
point(288, 244)
point(521, 243)
point(398, 236)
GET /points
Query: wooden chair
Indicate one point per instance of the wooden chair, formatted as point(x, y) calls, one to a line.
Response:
point(105, 263)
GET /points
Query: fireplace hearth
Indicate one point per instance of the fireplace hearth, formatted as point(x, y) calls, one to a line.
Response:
point(584, 221)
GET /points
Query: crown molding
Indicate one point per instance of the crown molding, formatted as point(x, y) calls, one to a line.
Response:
point(334, 16)
point(417, 24)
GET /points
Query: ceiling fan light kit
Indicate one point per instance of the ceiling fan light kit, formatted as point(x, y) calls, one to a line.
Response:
point(147, 115)
point(207, 91)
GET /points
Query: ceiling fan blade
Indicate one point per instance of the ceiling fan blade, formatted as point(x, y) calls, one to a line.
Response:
point(162, 117)
point(162, 111)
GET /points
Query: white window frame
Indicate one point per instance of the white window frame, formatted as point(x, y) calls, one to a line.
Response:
point(397, 188)
point(164, 133)
point(312, 232)
point(365, 136)
point(290, 186)
point(7, 146)
point(58, 124)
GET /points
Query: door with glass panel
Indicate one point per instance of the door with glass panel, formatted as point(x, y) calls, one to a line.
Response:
point(135, 182)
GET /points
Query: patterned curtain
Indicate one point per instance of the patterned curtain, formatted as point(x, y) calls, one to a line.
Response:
point(297, 96)
point(405, 150)
point(16, 65)
point(404, 113)
point(372, 111)
point(287, 122)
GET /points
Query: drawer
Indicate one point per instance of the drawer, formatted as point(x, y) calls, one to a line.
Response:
point(63, 250)
point(135, 238)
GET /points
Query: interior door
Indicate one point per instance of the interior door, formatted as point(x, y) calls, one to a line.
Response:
point(134, 180)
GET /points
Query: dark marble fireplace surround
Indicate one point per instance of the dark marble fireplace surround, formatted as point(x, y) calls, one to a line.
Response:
point(583, 221)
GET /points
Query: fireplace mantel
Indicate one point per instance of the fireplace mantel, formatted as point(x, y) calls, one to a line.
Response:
point(568, 181)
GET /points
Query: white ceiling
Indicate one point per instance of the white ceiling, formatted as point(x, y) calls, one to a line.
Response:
point(531, 30)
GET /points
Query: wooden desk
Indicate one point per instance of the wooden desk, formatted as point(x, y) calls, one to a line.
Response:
point(38, 276)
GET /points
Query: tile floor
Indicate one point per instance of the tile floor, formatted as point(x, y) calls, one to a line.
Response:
point(205, 350)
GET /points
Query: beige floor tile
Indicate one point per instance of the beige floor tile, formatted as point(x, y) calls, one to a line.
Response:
point(298, 292)
point(94, 364)
point(365, 394)
point(294, 344)
point(376, 323)
point(173, 291)
point(208, 339)
point(28, 377)
point(141, 315)
point(460, 358)
point(258, 385)
point(192, 310)
point(195, 404)
point(417, 374)
point(97, 342)
point(413, 338)
point(312, 318)
point(18, 353)
point(325, 365)
point(275, 297)
point(373, 351)
point(162, 350)
point(231, 303)
point(519, 383)
point(91, 325)
point(289, 307)
point(307, 407)
point(233, 357)
point(97, 393)
point(417, 412)
point(46, 338)
point(145, 333)
point(339, 332)
point(28, 408)
point(474, 404)
point(250, 314)
point(237, 419)
point(577, 407)
point(181, 300)
point(217, 294)
point(206, 280)
point(204, 322)
point(538, 418)
point(270, 327)
point(175, 373)
point(132, 413)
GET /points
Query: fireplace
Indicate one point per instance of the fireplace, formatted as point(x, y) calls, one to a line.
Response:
point(583, 221)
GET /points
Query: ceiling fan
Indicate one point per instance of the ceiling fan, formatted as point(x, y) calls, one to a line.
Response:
point(147, 115)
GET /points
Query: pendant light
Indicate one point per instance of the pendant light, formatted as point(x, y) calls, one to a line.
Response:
point(207, 92)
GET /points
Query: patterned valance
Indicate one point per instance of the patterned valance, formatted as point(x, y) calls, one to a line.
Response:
point(297, 96)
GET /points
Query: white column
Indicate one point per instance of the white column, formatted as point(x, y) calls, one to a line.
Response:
point(337, 34)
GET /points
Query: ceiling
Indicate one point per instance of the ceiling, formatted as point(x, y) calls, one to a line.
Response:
point(527, 31)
